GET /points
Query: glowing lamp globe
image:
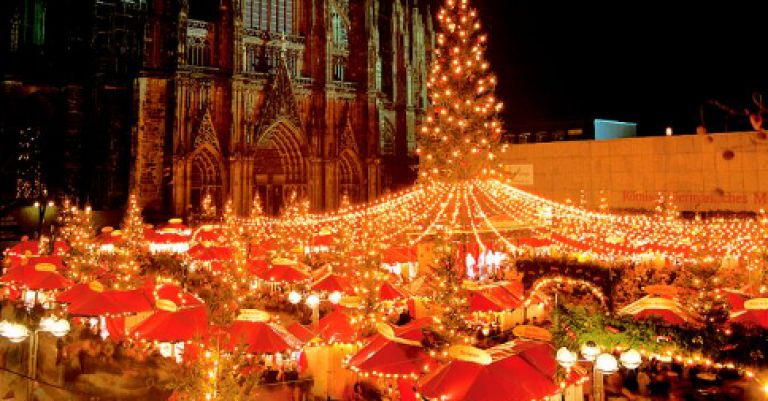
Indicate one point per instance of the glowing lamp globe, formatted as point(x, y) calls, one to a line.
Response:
point(313, 300)
point(15, 332)
point(590, 350)
point(57, 327)
point(294, 297)
point(566, 358)
point(606, 364)
point(334, 297)
point(631, 359)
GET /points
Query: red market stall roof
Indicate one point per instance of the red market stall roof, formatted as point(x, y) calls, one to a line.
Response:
point(210, 234)
point(323, 238)
point(755, 313)
point(54, 260)
point(177, 226)
point(413, 330)
point(95, 301)
point(757, 318)
point(392, 356)
point(399, 254)
point(337, 327)
point(665, 309)
point(283, 271)
point(534, 242)
point(332, 283)
point(496, 297)
point(516, 371)
point(388, 292)
point(169, 325)
point(210, 253)
point(304, 334)
point(175, 294)
point(38, 277)
point(257, 265)
point(260, 250)
point(262, 337)
point(29, 247)
point(735, 299)
point(109, 236)
point(159, 237)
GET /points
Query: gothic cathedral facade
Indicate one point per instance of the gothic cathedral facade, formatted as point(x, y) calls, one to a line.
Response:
point(239, 98)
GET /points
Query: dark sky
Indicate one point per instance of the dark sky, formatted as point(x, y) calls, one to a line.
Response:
point(642, 61)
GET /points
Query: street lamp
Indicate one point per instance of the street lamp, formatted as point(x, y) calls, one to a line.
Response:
point(313, 302)
point(602, 363)
point(17, 333)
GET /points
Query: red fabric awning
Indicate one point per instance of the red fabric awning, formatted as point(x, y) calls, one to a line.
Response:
point(388, 292)
point(210, 253)
point(182, 325)
point(332, 283)
point(668, 310)
point(399, 254)
point(518, 371)
point(282, 273)
point(496, 298)
point(337, 327)
point(262, 337)
point(175, 294)
point(387, 356)
point(302, 333)
point(32, 277)
point(752, 317)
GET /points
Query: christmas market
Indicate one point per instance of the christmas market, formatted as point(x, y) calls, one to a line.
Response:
point(470, 284)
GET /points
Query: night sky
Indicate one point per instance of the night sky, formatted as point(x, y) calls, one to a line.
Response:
point(643, 61)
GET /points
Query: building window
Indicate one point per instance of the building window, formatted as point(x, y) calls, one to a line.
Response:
point(198, 52)
point(269, 15)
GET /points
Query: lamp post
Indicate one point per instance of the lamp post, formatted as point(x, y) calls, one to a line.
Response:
point(603, 364)
point(18, 333)
point(313, 302)
point(42, 204)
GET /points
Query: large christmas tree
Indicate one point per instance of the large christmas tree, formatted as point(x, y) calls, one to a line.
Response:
point(461, 131)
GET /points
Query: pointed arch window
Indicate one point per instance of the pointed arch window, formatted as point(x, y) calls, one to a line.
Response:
point(269, 15)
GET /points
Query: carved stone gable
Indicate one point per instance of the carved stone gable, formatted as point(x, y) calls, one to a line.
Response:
point(280, 103)
point(348, 137)
point(206, 133)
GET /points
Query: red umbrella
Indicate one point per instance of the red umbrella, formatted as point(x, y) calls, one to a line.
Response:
point(302, 333)
point(517, 371)
point(388, 292)
point(37, 277)
point(337, 327)
point(332, 283)
point(283, 271)
point(262, 337)
point(169, 325)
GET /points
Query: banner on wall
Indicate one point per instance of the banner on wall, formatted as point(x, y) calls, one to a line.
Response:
point(520, 174)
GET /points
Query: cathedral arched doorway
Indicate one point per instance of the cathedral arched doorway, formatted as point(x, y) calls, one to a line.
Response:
point(350, 175)
point(205, 178)
point(279, 166)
